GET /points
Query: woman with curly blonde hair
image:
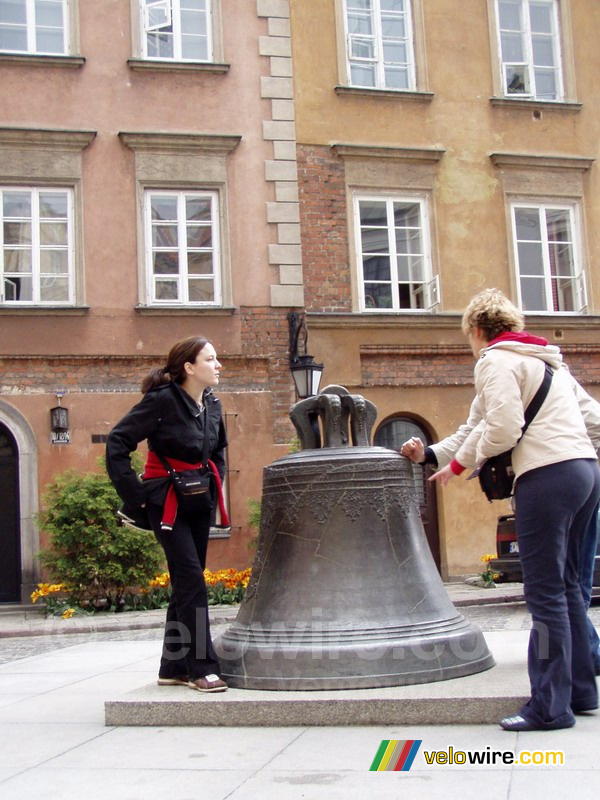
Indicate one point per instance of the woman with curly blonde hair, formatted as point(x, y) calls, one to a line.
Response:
point(557, 489)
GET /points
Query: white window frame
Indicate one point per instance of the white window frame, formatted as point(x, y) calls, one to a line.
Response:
point(165, 5)
point(173, 19)
point(182, 249)
point(577, 279)
point(37, 248)
point(530, 92)
point(428, 288)
point(376, 39)
point(30, 25)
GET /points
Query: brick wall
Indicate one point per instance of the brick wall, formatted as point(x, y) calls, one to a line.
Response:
point(583, 361)
point(324, 226)
point(40, 374)
point(397, 365)
point(265, 334)
point(426, 365)
point(262, 366)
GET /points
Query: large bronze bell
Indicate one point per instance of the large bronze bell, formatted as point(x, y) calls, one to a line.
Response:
point(344, 591)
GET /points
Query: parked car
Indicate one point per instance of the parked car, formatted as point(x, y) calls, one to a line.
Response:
point(508, 564)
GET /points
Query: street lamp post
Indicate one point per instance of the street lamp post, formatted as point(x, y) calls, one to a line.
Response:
point(306, 372)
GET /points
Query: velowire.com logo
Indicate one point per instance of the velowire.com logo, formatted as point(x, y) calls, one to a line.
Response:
point(395, 755)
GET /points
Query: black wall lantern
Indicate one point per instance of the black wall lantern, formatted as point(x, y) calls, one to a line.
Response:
point(305, 371)
point(59, 423)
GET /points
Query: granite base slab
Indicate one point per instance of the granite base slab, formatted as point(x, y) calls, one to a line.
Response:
point(481, 698)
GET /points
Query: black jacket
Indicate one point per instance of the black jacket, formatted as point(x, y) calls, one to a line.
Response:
point(174, 426)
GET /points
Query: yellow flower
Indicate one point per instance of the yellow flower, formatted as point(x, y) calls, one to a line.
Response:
point(68, 613)
point(488, 557)
point(160, 582)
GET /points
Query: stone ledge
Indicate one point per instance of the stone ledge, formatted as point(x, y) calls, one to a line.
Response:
point(322, 711)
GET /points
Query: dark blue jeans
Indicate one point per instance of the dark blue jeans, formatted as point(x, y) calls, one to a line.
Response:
point(554, 505)
point(187, 646)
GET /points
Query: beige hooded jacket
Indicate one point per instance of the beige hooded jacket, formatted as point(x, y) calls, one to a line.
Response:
point(507, 376)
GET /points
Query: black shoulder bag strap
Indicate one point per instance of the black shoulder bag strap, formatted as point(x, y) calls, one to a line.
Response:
point(205, 442)
point(538, 399)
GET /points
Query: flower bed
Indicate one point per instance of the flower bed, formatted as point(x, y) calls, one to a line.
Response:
point(223, 587)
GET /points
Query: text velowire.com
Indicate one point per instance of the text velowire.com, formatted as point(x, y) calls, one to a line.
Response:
point(490, 757)
point(398, 755)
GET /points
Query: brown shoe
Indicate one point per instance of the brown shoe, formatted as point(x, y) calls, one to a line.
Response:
point(208, 683)
point(180, 680)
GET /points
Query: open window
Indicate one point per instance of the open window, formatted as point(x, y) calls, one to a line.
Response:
point(379, 43)
point(177, 30)
point(548, 258)
point(157, 15)
point(37, 246)
point(394, 254)
point(381, 46)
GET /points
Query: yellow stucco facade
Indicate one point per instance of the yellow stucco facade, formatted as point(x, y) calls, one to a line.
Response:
point(457, 139)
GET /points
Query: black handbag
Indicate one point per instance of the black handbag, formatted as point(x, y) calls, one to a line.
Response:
point(496, 475)
point(193, 486)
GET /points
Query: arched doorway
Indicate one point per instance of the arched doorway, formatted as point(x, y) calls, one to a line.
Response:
point(21, 451)
point(10, 527)
point(392, 434)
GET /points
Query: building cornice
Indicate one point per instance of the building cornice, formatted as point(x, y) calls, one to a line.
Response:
point(539, 161)
point(444, 321)
point(45, 138)
point(157, 141)
point(427, 154)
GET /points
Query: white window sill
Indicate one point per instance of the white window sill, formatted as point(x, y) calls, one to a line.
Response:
point(20, 310)
point(386, 94)
point(37, 60)
point(531, 104)
point(168, 65)
point(181, 310)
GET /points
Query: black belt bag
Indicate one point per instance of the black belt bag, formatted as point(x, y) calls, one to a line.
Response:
point(191, 482)
point(193, 487)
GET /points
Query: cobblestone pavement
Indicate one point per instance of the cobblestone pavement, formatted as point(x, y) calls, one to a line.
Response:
point(501, 617)
point(12, 649)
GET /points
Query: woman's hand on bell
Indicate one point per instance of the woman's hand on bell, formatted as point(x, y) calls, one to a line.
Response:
point(414, 449)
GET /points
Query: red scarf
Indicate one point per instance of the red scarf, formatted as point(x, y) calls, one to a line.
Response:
point(154, 469)
point(519, 336)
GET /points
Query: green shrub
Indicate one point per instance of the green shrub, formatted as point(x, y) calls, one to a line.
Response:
point(98, 560)
point(253, 518)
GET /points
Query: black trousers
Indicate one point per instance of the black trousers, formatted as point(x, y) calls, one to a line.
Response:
point(187, 645)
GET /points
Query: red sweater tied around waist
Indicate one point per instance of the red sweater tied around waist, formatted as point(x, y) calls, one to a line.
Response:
point(155, 469)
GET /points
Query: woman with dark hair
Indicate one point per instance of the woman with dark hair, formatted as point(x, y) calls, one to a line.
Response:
point(182, 420)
